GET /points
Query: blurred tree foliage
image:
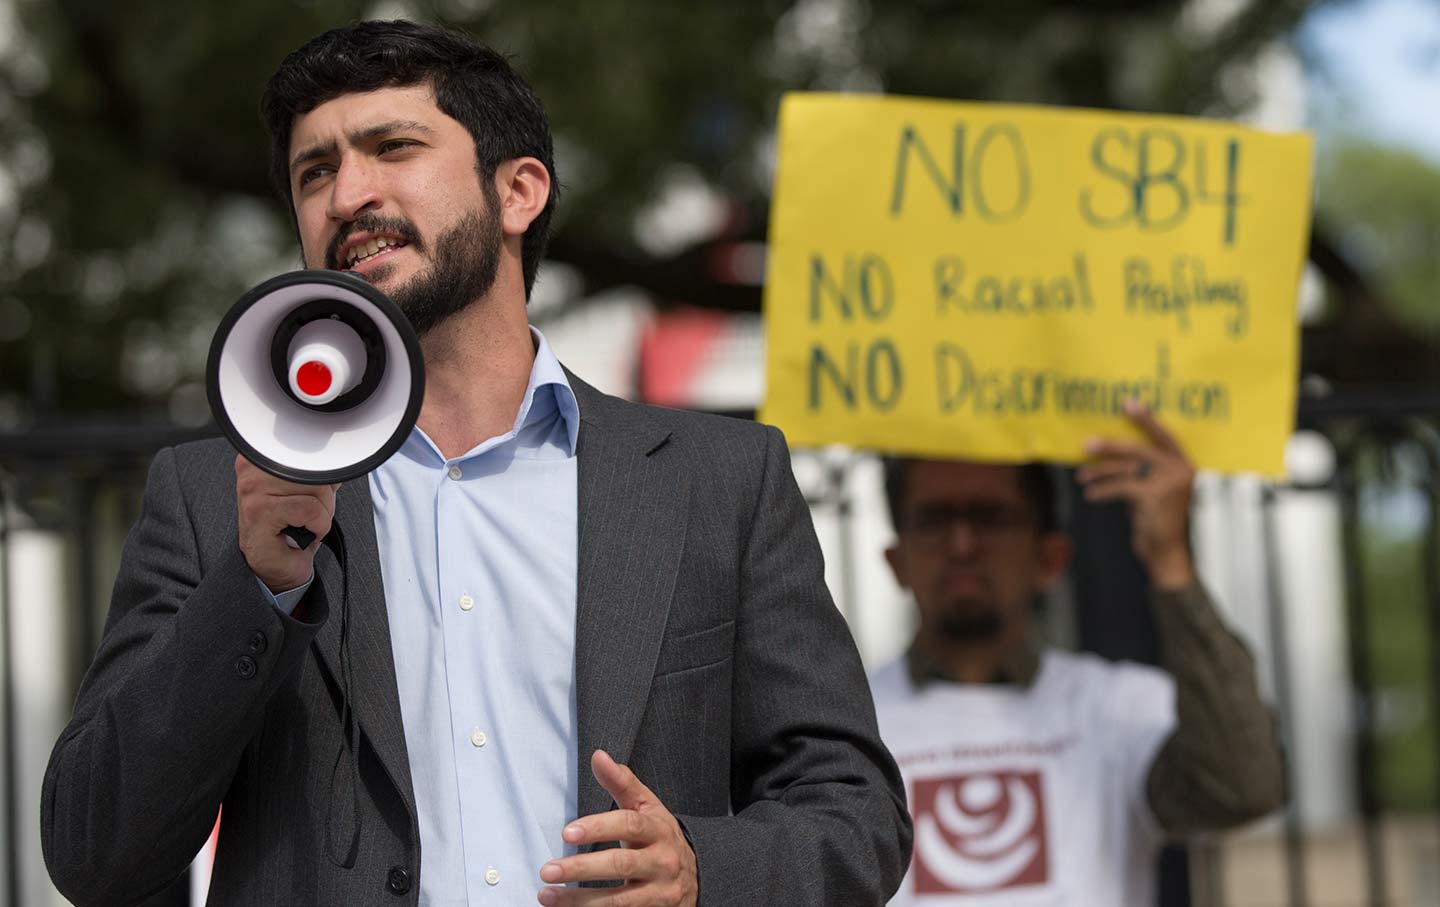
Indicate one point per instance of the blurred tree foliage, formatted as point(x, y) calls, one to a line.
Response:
point(1395, 562)
point(133, 199)
point(1388, 200)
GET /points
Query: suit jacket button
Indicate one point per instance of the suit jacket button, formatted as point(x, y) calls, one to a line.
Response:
point(245, 666)
point(258, 643)
point(398, 881)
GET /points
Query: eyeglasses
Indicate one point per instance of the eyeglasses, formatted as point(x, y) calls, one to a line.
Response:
point(933, 525)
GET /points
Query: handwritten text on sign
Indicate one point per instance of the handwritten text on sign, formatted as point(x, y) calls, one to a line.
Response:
point(995, 282)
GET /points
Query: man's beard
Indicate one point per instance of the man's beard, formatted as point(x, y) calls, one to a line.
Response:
point(463, 268)
point(467, 259)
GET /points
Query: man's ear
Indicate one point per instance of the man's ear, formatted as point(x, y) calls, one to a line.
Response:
point(896, 560)
point(523, 187)
point(1056, 550)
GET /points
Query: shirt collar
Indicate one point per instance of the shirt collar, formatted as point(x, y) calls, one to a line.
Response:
point(546, 373)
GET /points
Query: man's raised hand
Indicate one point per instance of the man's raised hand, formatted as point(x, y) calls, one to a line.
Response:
point(1155, 478)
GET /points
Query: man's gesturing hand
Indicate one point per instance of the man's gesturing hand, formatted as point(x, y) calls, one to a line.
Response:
point(1155, 478)
point(653, 860)
point(266, 506)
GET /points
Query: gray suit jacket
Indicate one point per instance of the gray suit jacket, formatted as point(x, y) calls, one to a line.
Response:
point(709, 657)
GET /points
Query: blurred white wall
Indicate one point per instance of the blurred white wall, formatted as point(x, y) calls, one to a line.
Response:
point(39, 600)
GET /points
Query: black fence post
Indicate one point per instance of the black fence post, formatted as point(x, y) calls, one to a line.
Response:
point(1366, 768)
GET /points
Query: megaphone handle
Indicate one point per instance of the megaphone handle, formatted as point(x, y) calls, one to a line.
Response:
point(298, 536)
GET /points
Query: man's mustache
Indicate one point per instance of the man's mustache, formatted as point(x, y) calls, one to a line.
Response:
point(371, 223)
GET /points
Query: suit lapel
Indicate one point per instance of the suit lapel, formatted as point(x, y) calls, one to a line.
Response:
point(632, 518)
point(374, 695)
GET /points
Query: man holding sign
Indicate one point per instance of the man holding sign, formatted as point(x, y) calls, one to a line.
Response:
point(998, 284)
point(1040, 776)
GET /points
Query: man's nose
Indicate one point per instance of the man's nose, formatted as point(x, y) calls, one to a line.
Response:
point(962, 537)
point(354, 190)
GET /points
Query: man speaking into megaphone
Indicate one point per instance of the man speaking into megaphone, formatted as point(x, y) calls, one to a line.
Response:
point(550, 622)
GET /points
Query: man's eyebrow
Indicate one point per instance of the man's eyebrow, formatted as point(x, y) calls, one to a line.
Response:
point(379, 129)
point(358, 137)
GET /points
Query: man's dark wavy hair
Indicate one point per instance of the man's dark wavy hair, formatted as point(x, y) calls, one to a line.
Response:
point(474, 85)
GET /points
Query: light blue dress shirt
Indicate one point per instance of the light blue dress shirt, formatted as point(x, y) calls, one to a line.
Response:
point(479, 556)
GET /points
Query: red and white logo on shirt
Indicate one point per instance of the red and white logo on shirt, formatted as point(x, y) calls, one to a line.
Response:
point(977, 833)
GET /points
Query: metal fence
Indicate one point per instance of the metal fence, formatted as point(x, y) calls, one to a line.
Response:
point(80, 486)
point(1389, 441)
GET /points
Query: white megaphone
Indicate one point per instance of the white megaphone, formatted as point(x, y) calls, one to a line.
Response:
point(316, 377)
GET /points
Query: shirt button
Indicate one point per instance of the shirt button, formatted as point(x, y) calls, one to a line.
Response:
point(455, 473)
point(466, 603)
point(478, 737)
point(492, 876)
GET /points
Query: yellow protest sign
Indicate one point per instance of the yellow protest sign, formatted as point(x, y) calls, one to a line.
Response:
point(994, 282)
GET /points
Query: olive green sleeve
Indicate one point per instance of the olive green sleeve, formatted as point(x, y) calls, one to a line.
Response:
point(1224, 764)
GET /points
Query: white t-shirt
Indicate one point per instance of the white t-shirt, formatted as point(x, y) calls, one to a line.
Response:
point(1034, 796)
